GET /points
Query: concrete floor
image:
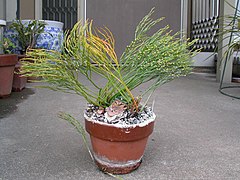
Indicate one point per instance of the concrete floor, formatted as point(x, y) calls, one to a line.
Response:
point(196, 135)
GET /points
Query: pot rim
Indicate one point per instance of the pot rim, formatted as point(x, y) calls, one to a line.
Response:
point(125, 126)
point(8, 59)
point(118, 134)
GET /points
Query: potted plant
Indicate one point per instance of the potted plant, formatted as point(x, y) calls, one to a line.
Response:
point(7, 65)
point(19, 81)
point(23, 34)
point(118, 122)
point(44, 34)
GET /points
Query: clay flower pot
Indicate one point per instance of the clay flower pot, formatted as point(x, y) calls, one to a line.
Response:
point(118, 150)
point(19, 81)
point(7, 65)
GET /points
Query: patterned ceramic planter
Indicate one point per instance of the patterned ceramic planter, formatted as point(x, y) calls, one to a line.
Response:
point(51, 39)
point(2, 24)
point(11, 34)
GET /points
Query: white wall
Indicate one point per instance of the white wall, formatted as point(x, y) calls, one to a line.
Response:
point(122, 16)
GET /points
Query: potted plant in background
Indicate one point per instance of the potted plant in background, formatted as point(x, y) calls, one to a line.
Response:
point(19, 81)
point(7, 64)
point(118, 122)
point(43, 34)
point(23, 34)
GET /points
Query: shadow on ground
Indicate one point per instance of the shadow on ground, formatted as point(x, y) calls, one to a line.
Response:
point(9, 105)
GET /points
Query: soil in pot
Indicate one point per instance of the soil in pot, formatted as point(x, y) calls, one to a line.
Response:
point(7, 65)
point(118, 144)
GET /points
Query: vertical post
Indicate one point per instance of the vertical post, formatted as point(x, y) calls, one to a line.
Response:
point(210, 8)
point(82, 10)
point(184, 18)
point(213, 8)
point(197, 10)
point(193, 14)
point(217, 7)
point(204, 10)
point(3, 9)
point(189, 17)
point(224, 74)
point(207, 9)
point(38, 9)
point(18, 9)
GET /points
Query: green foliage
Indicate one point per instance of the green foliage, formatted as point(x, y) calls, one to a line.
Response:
point(27, 33)
point(158, 58)
point(7, 45)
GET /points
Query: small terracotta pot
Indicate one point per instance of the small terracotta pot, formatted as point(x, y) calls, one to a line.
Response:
point(7, 65)
point(118, 150)
point(19, 81)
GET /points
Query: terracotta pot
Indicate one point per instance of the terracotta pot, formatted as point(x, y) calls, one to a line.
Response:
point(19, 81)
point(118, 150)
point(7, 65)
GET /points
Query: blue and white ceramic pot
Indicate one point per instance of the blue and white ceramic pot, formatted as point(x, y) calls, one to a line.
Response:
point(2, 24)
point(51, 38)
point(11, 34)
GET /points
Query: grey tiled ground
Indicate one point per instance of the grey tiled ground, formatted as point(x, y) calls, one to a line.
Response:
point(196, 136)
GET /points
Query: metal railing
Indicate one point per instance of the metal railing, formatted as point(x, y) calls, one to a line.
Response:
point(60, 10)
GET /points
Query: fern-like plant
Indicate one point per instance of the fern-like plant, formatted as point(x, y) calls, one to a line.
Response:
point(158, 58)
point(27, 33)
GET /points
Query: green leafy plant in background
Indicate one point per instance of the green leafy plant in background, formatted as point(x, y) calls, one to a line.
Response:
point(7, 45)
point(157, 58)
point(27, 33)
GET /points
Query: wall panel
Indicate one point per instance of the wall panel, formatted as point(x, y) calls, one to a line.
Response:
point(122, 16)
